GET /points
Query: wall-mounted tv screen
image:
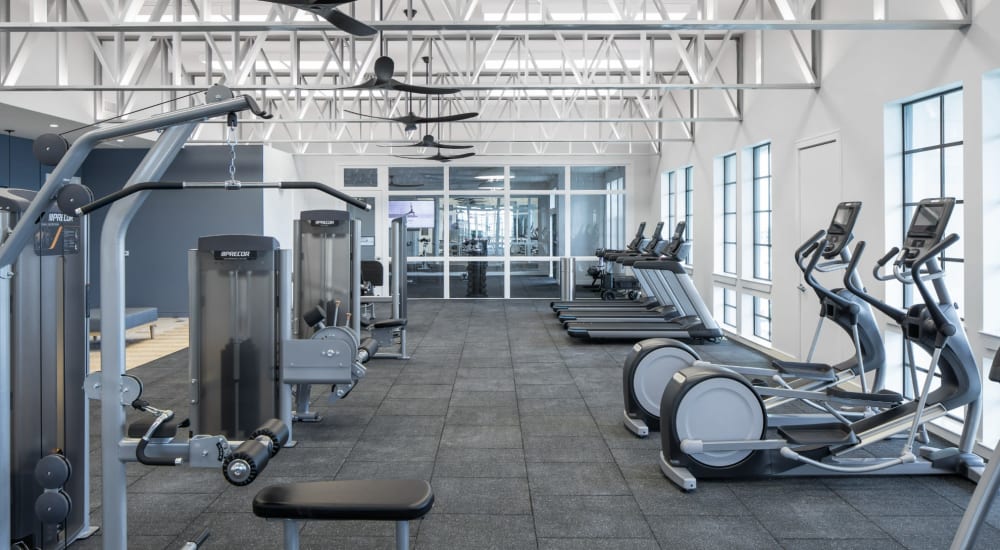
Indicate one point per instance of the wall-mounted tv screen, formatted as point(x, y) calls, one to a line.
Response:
point(419, 214)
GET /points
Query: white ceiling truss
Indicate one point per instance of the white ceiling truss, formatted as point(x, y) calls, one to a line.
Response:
point(546, 76)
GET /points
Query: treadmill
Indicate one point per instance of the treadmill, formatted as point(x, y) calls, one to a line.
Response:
point(599, 271)
point(653, 284)
point(694, 321)
point(650, 248)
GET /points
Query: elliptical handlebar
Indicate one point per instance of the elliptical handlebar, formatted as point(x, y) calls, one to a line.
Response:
point(824, 292)
point(807, 248)
point(945, 326)
point(897, 315)
point(881, 263)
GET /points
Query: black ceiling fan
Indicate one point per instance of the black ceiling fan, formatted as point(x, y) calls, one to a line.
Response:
point(411, 120)
point(382, 80)
point(438, 157)
point(429, 141)
point(327, 9)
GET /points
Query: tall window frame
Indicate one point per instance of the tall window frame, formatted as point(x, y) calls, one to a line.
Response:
point(762, 318)
point(762, 256)
point(671, 199)
point(730, 245)
point(947, 152)
point(688, 208)
point(933, 167)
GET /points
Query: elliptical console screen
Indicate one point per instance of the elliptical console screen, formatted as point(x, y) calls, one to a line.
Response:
point(844, 218)
point(926, 220)
point(841, 227)
point(679, 231)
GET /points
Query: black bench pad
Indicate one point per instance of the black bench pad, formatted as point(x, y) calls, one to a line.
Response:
point(375, 499)
point(385, 323)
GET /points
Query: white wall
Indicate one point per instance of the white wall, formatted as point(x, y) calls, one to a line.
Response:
point(862, 72)
point(280, 206)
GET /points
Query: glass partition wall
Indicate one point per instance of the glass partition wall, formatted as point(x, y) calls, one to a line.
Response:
point(498, 231)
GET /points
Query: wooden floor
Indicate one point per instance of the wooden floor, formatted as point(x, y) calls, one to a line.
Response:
point(170, 334)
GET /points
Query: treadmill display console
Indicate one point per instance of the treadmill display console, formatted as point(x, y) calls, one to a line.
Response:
point(926, 228)
point(841, 229)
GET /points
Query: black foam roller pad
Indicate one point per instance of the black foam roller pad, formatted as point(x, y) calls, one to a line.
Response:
point(276, 431)
point(255, 454)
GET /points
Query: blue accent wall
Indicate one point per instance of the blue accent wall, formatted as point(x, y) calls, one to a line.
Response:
point(170, 222)
point(25, 172)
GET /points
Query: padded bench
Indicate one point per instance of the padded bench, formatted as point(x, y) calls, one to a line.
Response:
point(398, 500)
point(134, 317)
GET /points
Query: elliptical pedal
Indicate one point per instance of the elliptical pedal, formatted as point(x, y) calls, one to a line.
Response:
point(881, 397)
point(833, 434)
point(811, 371)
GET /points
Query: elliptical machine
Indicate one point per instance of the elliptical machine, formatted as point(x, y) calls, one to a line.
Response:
point(652, 363)
point(719, 426)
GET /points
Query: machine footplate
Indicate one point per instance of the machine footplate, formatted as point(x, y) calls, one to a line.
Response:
point(812, 371)
point(819, 434)
point(884, 396)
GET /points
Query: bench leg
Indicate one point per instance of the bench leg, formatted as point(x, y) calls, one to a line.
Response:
point(291, 534)
point(402, 535)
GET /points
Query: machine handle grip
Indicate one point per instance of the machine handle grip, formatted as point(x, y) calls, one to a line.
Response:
point(143, 458)
point(881, 263)
point(944, 325)
point(896, 315)
point(255, 108)
point(808, 247)
point(357, 203)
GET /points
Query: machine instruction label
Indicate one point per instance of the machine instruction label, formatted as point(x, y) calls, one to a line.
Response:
point(57, 234)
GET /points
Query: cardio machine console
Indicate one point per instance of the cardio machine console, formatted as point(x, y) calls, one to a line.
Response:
point(926, 229)
point(841, 229)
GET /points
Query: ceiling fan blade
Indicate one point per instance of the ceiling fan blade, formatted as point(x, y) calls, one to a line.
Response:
point(425, 90)
point(449, 118)
point(370, 84)
point(347, 23)
point(410, 157)
point(462, 156)
point(446, 146)
point(369, 116)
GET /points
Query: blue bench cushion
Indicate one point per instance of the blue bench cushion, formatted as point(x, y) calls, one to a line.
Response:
point(134, 316)
point(374, 499)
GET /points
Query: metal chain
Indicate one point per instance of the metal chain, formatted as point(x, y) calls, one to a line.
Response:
point(232, 140)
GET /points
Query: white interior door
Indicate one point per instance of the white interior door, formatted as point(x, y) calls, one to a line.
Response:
point(820, 190)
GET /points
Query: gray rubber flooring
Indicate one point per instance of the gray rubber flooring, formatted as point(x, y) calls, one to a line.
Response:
point(517, 427)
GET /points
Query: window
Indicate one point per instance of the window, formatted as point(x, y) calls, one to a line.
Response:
point(762, 318)
point(729, 307)
point(729, 244)
point(671, 200)
point(762, 214)
point(689, 207)
point(360, 177)
point(933, 167)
